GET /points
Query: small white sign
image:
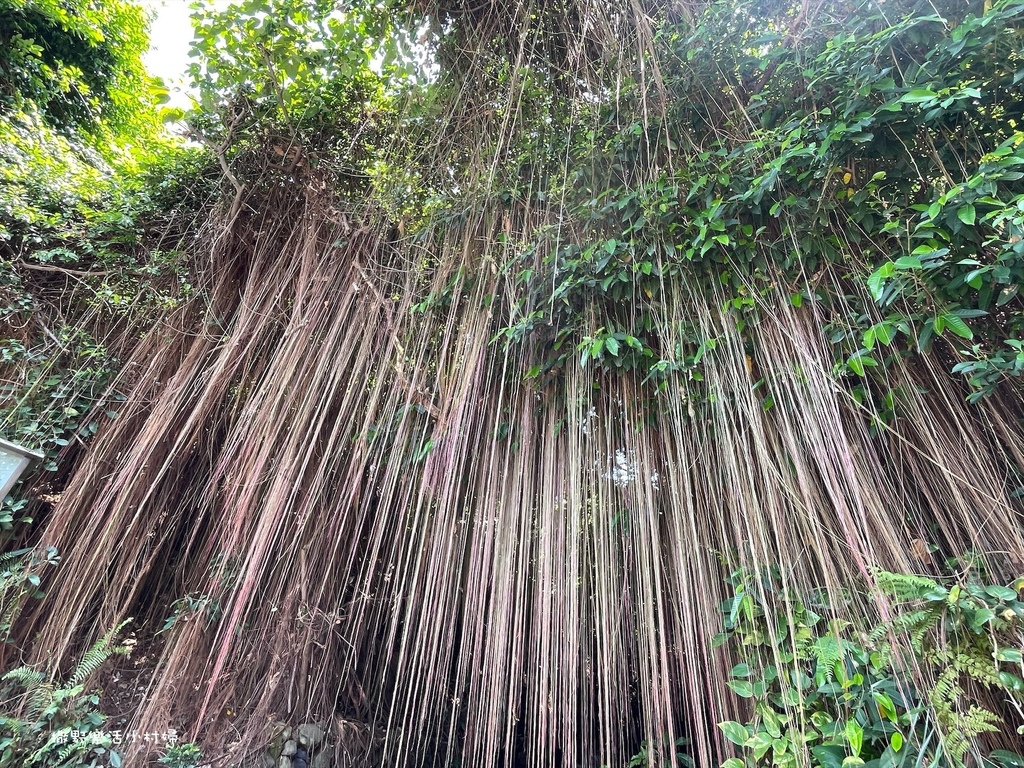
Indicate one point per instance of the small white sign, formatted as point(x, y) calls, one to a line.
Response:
point(13, 460)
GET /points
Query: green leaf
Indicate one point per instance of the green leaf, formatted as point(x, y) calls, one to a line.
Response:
point(869, 339)
point(886, 706)
point(882, 333)
point(859, 361)
point(957, 325)
point(740, 670)
point(172, 114)
point(741, 688)
point(760, 743)
point(1007, 759)
point(771, 722)
point(966, 214)
point(855, 735)
point(1011, 682)
point(1006, 294)
point(918, 95)
point(876, 281)
point(1001, 593)
point(735, 732)
point(896, 741)
point(981, 618)
point(1012, 655)
point(612, 345)
point(426, 448)
point(829, 755)
point(885, 333)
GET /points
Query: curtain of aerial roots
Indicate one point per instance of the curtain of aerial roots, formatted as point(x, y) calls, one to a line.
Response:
point(379, 521)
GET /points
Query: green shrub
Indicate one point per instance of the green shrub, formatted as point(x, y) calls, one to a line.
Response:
point(824, 695)
point(57, 724)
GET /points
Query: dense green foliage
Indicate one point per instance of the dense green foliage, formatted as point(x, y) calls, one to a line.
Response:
point(89, 181)
point(294, 86)
point(304, 63)
point(61, 724)
point(885, 153)
point(78, 62)
point(815, 684)
point(593, 223)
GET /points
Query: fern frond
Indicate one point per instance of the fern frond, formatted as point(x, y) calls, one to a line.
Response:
point(968, 726)
point(944, 694)
point(827, 650)
point(81, 747)
point(916, 624)
point(10, 557)
point(39, 691)
point(8, 613)
point(26, 677)
point(101, 650)
point(13, 727)
point(56, 751)
point(905, 587)
point(971, 662)
point(958, 728)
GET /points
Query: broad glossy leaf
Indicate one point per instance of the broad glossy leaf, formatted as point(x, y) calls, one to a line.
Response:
point(735, 732)
point(966, 214)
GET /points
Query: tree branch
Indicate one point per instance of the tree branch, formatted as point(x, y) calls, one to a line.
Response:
point(63, 270)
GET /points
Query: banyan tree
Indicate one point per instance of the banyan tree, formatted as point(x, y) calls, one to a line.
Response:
point(550, 383)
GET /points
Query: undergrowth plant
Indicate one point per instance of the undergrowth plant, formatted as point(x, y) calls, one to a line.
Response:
point(185, 755)
point(58, 724)
point(646, 757)
point(821, 693)
point(20, 578)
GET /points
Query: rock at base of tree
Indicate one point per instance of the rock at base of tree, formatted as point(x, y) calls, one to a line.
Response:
point(309, 734)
